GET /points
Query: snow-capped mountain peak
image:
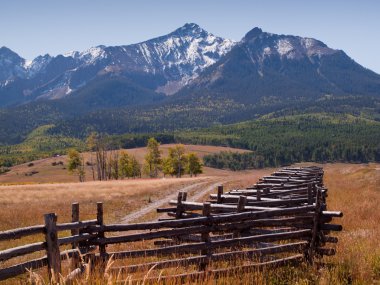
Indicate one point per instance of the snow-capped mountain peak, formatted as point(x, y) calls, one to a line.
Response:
point(92, 54)
point(37, 65)
point(172, 60)
point(264, 45)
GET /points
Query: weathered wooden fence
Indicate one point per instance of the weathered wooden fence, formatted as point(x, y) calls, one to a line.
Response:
point(280, 220)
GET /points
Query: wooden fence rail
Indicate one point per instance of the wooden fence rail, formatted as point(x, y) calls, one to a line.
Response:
point(285, 213)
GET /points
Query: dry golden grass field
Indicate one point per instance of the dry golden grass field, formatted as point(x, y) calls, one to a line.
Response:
point(353, 189)
point(47, 173)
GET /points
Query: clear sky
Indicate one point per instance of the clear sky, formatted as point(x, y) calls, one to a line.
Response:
point(33, 27)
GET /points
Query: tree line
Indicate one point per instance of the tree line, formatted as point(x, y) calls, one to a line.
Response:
point(110, 164)
point(283, 141)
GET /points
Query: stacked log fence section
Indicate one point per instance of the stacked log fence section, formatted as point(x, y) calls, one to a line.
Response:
point(281, 220)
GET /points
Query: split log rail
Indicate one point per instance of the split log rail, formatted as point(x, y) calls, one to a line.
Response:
point(282, 219)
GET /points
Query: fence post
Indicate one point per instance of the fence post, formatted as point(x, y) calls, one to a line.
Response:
point(241, 203)
point(240, 208)
point(52, 247)
point(206, 211)
point(258, 195)
point(100, 222)
point(184, 196)
point(178, 213)
point(220, 193)
point(315, 232)
point(75, 261)
point(310, 194)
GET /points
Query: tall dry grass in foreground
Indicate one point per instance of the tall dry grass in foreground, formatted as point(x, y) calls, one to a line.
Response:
point(353, 189)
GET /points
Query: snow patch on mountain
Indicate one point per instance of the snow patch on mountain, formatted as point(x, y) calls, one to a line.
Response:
point(284, 47)
point(92, 55)
point(37, 65)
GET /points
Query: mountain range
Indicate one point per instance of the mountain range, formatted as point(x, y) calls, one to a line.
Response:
point(187, 79)
point(163, 64)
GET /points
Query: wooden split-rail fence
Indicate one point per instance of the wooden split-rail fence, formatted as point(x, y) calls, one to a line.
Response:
point(282, 219)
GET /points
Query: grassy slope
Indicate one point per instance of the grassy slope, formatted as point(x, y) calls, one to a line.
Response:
point(38, 144)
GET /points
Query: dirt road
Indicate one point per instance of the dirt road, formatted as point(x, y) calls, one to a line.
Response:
point(193, 195)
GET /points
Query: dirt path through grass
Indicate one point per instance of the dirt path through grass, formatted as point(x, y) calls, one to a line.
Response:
point(191, 197)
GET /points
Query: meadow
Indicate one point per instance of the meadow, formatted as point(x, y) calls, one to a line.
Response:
point(353, 189)
point(54, 169)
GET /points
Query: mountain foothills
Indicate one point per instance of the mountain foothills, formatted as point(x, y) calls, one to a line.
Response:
point(188, 79)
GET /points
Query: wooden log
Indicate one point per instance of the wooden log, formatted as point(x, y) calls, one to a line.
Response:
point(75, 225)
point(179, 209)
point(325, 251)
point(185, 215)
point(21, 232)
point(219, 207)
point(241, 204)
point(225, 218)
point(151, 235)
point(285, 186)
point(334, 214)
point(75, 261)
point(23, 267)
point(240, 208)
point(219, 199)
point(310, 194)
point(196, 247)
point(290, 180)
point(18, 269)
point(288, 221)
point(99, 218)
point(331, 227)
point(329, 239)
point(190, 238)
point(166, 210)
point(52, 247)
point(205, 237)
point(165, 242)
point(83, 237)
point(292, 247)
point(264, 202)
point(315, 230)
point(21, 250)
point(258, 194)
point(273, 192)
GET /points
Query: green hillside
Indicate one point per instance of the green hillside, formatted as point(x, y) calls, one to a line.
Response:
point(279, 141)
point(38, 144)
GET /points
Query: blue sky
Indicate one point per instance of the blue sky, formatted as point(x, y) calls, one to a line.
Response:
point(37, 27)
